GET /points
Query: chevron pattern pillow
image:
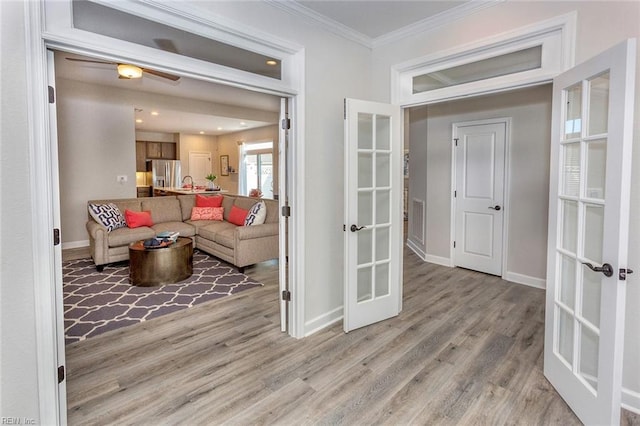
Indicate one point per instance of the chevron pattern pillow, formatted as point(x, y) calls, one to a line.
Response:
point(108, 215)
point(257, 214)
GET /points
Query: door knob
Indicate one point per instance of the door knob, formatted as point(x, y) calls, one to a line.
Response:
point(606, 269)
point(355, 228)
point(496, 208)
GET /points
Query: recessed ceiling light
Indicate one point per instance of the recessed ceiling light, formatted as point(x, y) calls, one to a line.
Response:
point(138, 120)
point(201, 132)
point(272, 62)
point(154, 113)
point(242, 123)
point(219, 128)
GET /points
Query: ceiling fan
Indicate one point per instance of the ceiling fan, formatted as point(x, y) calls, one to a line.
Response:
point(129, 71)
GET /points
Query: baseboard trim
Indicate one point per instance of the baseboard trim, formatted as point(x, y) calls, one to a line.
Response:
point(417, 250)
point(75, 244)
point(631, 400)
point(438, 260)
point(323, 321)
point(525, 280)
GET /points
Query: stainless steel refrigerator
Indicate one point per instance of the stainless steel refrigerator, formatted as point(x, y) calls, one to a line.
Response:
point(165, 173)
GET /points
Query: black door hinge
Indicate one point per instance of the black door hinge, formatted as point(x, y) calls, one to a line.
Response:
point(455, 194)
point(286, 211)
point(60, 374)
point(286, 123)
point(56, 236)
point(454, 244)
point(456, 141)
point(52, 95)
point(286, 295)
point(344, 227)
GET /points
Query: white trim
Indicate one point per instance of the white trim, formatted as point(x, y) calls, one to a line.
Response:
point(562, 29)
point(416, 249)
point(422, 26)
point(525, 280)
point(75, 244)
point(322, 321)
point(438, 260)
point(431, 23)
point(631, 400)
point(42, 215)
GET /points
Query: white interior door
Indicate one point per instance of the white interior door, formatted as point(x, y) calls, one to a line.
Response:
point(588, 227)
point(199, 166)
point(373, 213)
point(479, 195)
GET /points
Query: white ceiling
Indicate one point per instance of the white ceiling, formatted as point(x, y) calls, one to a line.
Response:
point(364, 20)
point(377, 18)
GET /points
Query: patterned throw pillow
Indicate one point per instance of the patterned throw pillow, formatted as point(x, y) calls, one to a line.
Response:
point(207, 213)
point(108, 215)
point(257, 214)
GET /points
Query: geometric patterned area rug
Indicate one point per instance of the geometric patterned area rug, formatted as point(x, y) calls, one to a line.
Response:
point(97, 302)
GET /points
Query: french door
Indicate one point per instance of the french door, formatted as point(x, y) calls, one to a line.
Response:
point(373, 213)
point(588, 227)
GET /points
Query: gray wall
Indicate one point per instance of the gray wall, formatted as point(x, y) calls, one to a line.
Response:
point(528, 173)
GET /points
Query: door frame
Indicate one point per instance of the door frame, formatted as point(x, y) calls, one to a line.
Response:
point(38, 40)
point(506, 186)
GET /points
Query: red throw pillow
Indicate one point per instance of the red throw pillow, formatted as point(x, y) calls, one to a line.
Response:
point(202, 201)
point(207, 213)
point(137, 219)
point(237, 215)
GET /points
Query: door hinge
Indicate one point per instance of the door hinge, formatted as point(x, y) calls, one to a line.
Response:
point(286, 295)
point(454, 244)
point(455, 140)
point(60, 374)
point(286, 123)
point(344, 108)
point(286, 211)
point(52, 95)
point(455, 194)
point(56, 236)
point(622, 273)
point(344, 227)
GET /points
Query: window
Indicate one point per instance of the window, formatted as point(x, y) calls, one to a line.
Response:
point(256, 168)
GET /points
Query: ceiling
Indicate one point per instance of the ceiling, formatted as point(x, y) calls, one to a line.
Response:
point(367, 20)
point(377, 18)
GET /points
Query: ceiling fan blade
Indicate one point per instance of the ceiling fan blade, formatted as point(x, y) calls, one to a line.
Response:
point(166, 44)
point(161, 74)
point(91, 61)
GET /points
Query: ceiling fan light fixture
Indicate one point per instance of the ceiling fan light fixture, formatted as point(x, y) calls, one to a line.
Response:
point(129, 71)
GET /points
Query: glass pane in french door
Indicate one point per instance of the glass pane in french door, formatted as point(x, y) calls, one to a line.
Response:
point(374, 206)
point(581, 207)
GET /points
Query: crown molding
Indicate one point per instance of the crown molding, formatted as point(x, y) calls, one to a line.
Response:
point(327, 23)
point(435, 21)
point(424, 25)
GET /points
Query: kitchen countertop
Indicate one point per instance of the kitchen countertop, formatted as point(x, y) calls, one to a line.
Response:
point(184, 191)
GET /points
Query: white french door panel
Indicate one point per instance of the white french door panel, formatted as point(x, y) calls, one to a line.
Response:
point(588, 232)
point(479, 156)
point(373, 213)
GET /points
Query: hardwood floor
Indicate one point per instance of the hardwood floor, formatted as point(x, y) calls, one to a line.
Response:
point(466, 349)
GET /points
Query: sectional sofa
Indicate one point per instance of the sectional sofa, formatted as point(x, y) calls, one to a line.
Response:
point(238, 245)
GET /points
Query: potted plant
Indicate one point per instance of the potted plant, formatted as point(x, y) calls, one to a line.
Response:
point(211, 177)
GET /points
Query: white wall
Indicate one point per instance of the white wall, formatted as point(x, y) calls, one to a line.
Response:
point(96, 143)
point(600, 25)
point(198, 143)
point(18, 379)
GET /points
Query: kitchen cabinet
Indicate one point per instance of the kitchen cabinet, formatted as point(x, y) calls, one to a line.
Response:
point(141, 156)
point(161, 150)
point(144, 191)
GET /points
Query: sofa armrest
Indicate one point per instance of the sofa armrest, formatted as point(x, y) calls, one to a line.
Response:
point(98, 242)
point(257, 231)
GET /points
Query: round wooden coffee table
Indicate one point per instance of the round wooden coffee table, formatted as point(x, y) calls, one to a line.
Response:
point(156, 266)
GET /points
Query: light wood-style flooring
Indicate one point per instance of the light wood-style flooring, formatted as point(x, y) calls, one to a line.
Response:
point(466, 349)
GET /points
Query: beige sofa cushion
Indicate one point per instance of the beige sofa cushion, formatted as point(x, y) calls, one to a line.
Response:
point(125, 236)
point(210, 231)
point(163, 209)
point(185, 229)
